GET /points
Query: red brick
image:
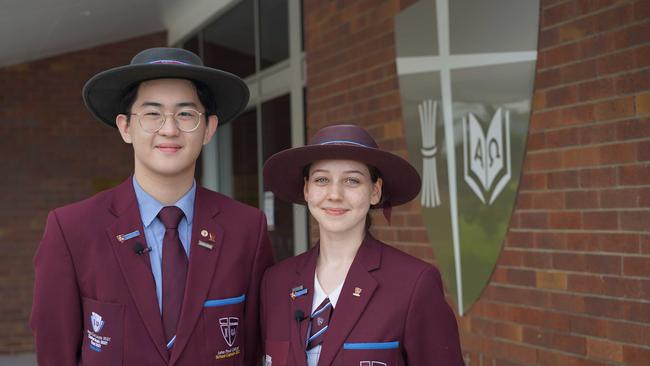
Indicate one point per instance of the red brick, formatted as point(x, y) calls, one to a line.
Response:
point(550, 240)
point(636, 266)
point(615, 63)
point(600, 220)
point(596, 89)
point(558, 13)
point(605, 350)
point(636, 356)
point(561, 96)
point(619, 198)
point(563, 180)
point(614, 109)
point(547, 200)
point(580, 157)
point(601, 177)
point(548, 78)
point(532, 182)
point(581, 199)
point(634, 174)
point(580, 71)
point(565, 220)
point(562, 138)
point(635, 220)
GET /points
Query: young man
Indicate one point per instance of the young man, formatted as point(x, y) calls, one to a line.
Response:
point(157, 271)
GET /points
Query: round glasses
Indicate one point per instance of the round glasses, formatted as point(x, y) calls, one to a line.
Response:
point(152, 120)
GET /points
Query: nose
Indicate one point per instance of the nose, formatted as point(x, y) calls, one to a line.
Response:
point(335, 192)
point(169, 127)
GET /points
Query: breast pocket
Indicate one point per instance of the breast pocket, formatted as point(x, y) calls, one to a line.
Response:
point(224, 329)
point(371, 354)
point(103, 333)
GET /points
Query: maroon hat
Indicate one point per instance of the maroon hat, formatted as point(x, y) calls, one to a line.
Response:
point(103, 92)
point(283, 172)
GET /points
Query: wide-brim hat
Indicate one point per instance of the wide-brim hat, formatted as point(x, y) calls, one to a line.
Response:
point(104, 91)
point(283, 172)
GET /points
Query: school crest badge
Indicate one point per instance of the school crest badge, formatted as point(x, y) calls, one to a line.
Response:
point(229, 329)
point(466, 72)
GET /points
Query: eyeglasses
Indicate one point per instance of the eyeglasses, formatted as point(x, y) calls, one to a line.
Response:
point(152, 120)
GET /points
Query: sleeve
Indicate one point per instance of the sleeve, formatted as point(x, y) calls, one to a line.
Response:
point(263, 260)
point(431, 332)
point(56, 318)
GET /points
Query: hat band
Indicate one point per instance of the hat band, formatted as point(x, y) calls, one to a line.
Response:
point(173, 62)
point(347, 142)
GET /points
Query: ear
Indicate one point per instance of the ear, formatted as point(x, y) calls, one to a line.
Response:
point(123, 125)
point(375, 196)
point(305, 189)
point(211, 127)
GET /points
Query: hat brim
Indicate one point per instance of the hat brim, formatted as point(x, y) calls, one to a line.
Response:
point(103, 92)
point(283, 172)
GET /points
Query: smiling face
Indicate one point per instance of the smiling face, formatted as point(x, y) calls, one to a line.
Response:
point(169, 152)
point(339, 194)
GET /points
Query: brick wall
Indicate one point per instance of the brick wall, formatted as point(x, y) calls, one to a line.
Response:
point(52, 153)
point(572, 285)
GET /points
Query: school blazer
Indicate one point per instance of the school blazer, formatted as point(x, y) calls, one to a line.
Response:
point(391, 311)
point(95, 298)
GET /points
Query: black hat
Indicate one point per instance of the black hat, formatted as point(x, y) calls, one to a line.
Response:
point(283, 172)
point(104, 91)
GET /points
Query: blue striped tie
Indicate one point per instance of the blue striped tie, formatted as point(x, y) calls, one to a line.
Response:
point(319, 323)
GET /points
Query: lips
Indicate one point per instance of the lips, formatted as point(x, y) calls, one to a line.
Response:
point(335, 211)
point(168, 148)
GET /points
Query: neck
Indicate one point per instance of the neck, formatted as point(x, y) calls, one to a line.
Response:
point(339, 248)
point(166, 190)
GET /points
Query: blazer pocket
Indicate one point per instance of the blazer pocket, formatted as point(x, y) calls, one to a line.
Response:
point(276, 353)
point(371, 354)
point(223, 321)
point(103, 337)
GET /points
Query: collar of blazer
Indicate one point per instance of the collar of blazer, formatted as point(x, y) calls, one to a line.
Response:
point(349, 307)
point(137, 271)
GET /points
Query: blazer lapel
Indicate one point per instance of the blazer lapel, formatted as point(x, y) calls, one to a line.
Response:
point(350, 307)
point(135, 268)
point(305, 278)
point(202, 265)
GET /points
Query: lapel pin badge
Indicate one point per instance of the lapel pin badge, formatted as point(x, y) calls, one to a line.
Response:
point(123, 237)
point(212, 237)
point(204, 233)
point(357, 292)
point(205, 245)
point(297, 292)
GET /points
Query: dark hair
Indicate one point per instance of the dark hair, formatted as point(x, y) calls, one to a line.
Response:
point(375, 174)
point(202, 91)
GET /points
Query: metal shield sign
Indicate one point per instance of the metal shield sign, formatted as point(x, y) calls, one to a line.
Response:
point(466, 71)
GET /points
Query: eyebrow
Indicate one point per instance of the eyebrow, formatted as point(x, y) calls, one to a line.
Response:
point(345, 172)
point(156, 104)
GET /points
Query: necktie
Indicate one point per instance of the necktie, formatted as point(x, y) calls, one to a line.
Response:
point(319, 323)
point(174, 271)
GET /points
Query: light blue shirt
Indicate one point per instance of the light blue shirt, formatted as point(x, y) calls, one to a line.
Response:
point(154, 230)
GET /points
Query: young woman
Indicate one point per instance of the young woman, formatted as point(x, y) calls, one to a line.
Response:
point(351, 299)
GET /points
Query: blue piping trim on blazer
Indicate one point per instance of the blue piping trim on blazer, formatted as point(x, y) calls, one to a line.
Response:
point(380, 345)
point(223, 302)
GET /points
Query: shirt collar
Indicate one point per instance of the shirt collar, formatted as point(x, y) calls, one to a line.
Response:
point(149, 206)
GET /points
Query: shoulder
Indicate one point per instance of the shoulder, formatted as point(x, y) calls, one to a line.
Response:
point(407, 265)
point(89, 206)
point(287, 267)
point(404, 273)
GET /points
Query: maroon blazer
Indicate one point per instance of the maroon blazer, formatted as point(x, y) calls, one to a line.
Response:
point(400, 316)
point(95, 298)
